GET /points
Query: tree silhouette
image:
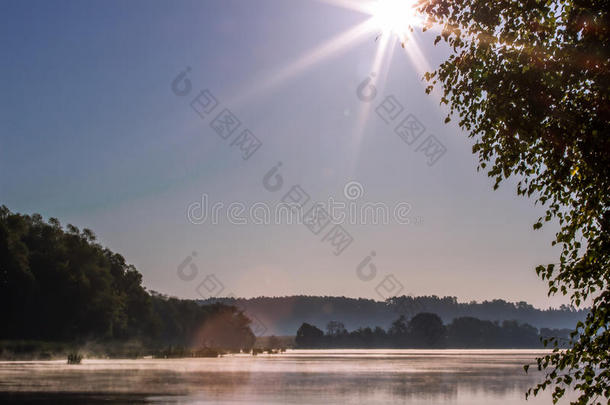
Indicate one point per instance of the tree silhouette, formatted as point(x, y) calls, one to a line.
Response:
point(60, 285)
point(309, 336)
point(426, 330)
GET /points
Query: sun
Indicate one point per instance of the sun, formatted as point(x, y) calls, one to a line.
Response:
point(394, 16)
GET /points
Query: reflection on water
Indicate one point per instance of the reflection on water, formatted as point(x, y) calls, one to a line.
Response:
point(297, 377)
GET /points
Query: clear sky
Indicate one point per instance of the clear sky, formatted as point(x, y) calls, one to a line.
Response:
point(92, 133)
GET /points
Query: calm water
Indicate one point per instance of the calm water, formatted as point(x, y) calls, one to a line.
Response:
point(296, 377)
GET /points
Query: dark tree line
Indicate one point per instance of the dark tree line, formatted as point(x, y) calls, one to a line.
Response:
point(426, 330)
point(284, 315)
point(58, 284)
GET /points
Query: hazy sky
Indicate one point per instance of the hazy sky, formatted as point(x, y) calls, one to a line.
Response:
point(92, 133)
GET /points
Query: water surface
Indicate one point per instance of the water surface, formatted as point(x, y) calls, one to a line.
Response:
point(296, 377)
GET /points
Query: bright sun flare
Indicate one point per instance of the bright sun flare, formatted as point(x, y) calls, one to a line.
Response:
point(394, 16)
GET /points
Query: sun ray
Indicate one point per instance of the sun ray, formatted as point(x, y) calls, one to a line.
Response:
point(332, 47)
point(414, 51)
point(361, 6)
point(380, 70)
point(389, 21)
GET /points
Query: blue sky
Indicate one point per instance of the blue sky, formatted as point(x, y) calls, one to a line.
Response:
point(91, 133)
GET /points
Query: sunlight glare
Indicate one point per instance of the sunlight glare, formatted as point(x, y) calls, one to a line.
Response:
point(394, 16)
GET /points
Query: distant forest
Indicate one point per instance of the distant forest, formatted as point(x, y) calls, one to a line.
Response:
point(59, 285)
point(284, 315)
point(426, 330)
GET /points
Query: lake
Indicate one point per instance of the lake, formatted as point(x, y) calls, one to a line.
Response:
point(296, 377)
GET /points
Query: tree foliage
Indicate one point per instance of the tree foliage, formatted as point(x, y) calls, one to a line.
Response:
point(530, 83)
point(60, 285)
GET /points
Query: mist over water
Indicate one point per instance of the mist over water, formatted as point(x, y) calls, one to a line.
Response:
point(297, 377)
